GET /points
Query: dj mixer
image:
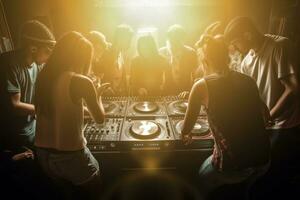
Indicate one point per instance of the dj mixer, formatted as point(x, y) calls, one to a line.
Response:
point(151, 123)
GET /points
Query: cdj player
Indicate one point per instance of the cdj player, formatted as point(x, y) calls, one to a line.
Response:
point(138, 124)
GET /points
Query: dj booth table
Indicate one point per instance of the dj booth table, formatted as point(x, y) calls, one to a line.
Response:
point(145, 134)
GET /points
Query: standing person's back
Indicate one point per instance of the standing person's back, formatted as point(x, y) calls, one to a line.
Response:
point(182, 60)
point(148, 69)
point(236, 118)
point(63, 129)
point(61, 89)
point(236, 121)
point(182, 68)
point(267, 66)
point(113, 62)
point(270, 61)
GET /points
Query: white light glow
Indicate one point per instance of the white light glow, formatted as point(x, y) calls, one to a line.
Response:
point(145, 30)
point(147, 3)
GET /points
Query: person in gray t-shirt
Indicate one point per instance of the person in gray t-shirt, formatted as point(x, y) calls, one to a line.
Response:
point(270, 61)
point(19, 71)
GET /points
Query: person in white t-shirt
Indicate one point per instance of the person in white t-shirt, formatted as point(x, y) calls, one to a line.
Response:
point(269, 60)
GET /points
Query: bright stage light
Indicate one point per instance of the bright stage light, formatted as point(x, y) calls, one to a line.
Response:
point(147, 3)
point(146, 30)
point(138, 3)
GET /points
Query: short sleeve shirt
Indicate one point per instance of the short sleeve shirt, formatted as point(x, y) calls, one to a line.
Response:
point(267, 66)
point(17, 78)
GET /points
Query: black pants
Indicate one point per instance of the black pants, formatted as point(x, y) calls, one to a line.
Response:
point(285, 147)
point(282, 181)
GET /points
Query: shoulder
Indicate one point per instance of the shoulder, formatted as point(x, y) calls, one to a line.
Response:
point(247, 81)
point(78, 79)
point(107, 54)
point(200, 86)
point(278, 41)
point(163, 51)
point(199, 90)
point(189, 49)
point(9, 58)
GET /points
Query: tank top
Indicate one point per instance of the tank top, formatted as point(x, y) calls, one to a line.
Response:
point(63, 130)
point(236, 121)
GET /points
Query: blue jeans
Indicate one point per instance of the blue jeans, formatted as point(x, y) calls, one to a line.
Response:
point(77, 167)
point(212, 178)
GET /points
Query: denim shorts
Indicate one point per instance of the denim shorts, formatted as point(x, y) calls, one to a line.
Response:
point(77, 167)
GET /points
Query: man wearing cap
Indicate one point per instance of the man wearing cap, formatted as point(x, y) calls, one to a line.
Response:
point(19, 70)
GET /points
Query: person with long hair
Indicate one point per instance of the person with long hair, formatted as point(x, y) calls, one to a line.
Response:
point(100, 46)
point(182, 59)
point(62, 87)
point(114, 61)
point(237, 118)
point(147, 69)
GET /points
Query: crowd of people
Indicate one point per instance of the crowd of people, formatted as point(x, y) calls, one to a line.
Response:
point(253, 112)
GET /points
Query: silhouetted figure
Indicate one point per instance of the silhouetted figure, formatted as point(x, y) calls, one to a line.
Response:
point(112, 63)
point(61, 89)
point(269, 60)
point(148, 69)
point(182, 59)
point(235, 114)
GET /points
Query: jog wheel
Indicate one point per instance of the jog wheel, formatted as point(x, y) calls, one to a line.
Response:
point(180, 106)
point(143, 129)
point(145, 107)
point(200, 129)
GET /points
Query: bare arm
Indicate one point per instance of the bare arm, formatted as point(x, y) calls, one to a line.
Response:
point(266, 114)
point(82, 88)
point(198, 97)
point(291, 91)
point(20, 108)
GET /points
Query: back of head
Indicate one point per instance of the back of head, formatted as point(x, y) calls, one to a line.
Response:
point(72, 53)
point(97, 38)
point(238, 26)
point(146, 46)
point(216, 52)
point(176, 33)
point(123, 32)
point(213, 29)
point(35, 33)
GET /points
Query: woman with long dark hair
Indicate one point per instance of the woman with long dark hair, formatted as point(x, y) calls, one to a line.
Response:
point(62, 87)
point(148, 68)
